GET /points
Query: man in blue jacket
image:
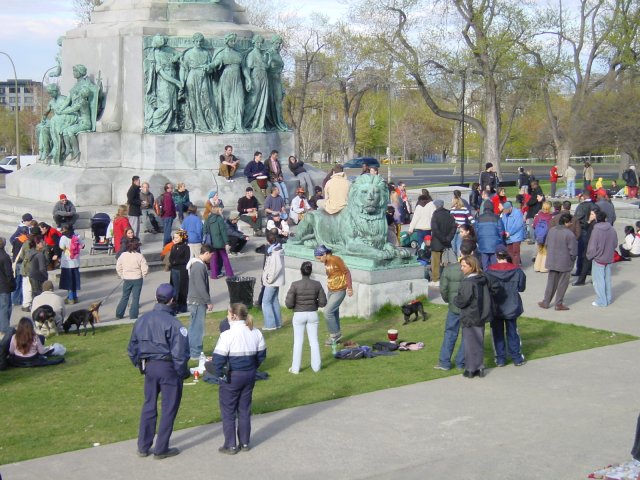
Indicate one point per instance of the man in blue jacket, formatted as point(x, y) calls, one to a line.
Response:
point(514, 231)
point(489, 230)
point(159, 347)
point(506, 282)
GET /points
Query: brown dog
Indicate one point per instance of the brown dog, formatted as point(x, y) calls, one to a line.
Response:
point(82, 317)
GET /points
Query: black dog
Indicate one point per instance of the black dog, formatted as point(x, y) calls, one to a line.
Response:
point(82, 317)
point(413, 308)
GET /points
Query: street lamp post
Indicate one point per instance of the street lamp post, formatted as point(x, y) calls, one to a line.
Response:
point(464, 94)
point(17, 115)
point(322, 128)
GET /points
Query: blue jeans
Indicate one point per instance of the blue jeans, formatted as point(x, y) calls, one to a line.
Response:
point(571, 188)
point(451, 331)
point(16, 295)
point(487, 259)
point(5, 311)
point(456, 242)
point(271, 308)
point(130, 288)
point(167, 223)
point(332, 311)
point(601, 276)
point(196, 328)
point(284, 193)
point(513, 341)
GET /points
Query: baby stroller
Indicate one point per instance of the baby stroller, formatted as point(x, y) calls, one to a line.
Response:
point(101, 241)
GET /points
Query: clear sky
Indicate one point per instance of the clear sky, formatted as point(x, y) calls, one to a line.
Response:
point(30, 29)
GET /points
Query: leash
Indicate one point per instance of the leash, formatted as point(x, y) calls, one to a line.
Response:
point(104, 300)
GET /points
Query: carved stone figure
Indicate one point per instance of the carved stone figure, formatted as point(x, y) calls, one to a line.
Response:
point(57, 71)
point(275, 66)
point(195, 75)
point(162, 87)
point(80, 114)
point(231, 85)
point(258, 97)
point(359, 229)
point(50, 137)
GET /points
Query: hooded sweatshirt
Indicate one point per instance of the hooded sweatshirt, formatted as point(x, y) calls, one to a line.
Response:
point(198, 282)
point(506, 281)
point(474, 301)
point(602, 243)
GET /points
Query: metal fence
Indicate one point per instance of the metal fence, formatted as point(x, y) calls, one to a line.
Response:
point(576, 159)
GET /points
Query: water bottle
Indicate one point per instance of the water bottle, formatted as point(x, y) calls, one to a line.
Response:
point(201, 362)
point(334, 347)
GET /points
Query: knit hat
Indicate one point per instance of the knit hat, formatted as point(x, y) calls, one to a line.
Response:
point(507, 205)
point(27, 217)
point(164, 293)
point(63, 196)
point(439, 203)
point(487, 205)
point(488, 165)
point(212, 194)
point(248, 189)
point(321, 250)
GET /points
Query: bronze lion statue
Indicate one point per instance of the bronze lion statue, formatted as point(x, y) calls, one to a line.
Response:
point(360, 229)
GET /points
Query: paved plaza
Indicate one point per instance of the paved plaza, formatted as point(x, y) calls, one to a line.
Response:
point(560, 417)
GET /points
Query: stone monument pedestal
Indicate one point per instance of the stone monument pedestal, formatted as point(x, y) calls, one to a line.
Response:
point(373, 286)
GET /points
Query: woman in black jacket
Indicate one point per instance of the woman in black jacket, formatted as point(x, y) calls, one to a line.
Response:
point(474, 302)
point(297, 168)
point(179, 256)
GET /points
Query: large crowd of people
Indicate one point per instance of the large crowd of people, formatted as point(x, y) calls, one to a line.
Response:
point(473, 248)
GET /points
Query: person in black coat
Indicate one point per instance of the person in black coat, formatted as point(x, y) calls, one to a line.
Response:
point(135, 204)
point(179, 256)
point(443, 229)
point(534, 203)
point(474, 302)
point(506, 282)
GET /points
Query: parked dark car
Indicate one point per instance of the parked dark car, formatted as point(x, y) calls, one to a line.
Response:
point(359, 161)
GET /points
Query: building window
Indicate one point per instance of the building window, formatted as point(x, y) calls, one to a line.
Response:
point(12, 89)
point(27, 90)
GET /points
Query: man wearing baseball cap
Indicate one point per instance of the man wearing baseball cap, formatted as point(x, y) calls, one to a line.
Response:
point(64, 212)
point(159, 347)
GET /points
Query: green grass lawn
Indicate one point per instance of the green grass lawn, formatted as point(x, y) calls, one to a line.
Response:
point(96, 396)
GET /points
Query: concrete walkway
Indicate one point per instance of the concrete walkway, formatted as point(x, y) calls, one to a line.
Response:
point(559, 417)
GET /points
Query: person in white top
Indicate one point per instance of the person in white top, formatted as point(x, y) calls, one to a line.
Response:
point(570, 176)
point(132, 268)
point(631, 245)
point(299, 206)
point(47, 297)
point(421, 221)
point(70, 263)
point(280, 225)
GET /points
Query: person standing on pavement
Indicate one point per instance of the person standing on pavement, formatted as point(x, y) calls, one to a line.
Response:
point(631, 179)
point(305, 296)
point(167, 211)
point(37, 265)
point(198, 299)
point(488, 178)
point(443, 229)
point(540, 234)
point(570, 177)
point(272, 279)
point(159, 347)
point(514, 231)
point(147, 201)
point(534, 204)
point(553, 180)
point(193, 226)
point(562, 248)
point(588, 174)
point(600, 251)
point(339, 285)
point(70, 264)
point(131, 268)
point(506, 282)
point(7, 285)
point(216, 228)
point(605, 205)
point(242, 349)
point(134, 202)
point(489, 230)
point(179, 256)
point(421, 220)
point(474, 301)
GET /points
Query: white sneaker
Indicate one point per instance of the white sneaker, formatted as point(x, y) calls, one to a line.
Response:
point(292, 371)
point(434, 284)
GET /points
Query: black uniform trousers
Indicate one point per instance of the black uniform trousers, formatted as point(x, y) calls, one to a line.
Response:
point(235, 400)
point(160, 378)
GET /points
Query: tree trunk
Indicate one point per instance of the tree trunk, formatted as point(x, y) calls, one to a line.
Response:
point(455, 144)
point(564, 156)
point(492, 138)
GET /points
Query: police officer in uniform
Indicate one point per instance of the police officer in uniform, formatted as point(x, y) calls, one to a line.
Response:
point(159, 346)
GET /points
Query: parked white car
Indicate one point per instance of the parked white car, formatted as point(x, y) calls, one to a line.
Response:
point(9, 164)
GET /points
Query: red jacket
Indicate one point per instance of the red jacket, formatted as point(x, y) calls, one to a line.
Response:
point(553, 174)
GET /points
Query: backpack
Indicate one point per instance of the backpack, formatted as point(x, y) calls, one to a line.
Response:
point(540, 232)
point(158, 206)
point(74, 248)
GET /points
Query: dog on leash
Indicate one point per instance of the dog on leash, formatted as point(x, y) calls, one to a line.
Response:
point(82, 317)
point(414, 308)
point(44, 319)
